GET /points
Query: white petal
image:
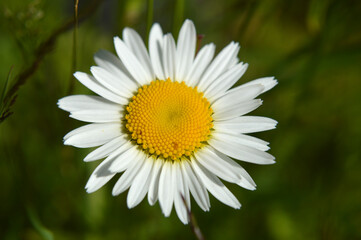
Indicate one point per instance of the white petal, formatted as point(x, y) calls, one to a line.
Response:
point(215, 186)
point(140, 185)
point(186, 46)
point(267, 82)
point(225, 81)
point(236, 97)
point(169, 56)
point(218, 66)
point(97, 116)
point(116, 153)
point(154, 181)
point(242, 139)
point(185, 187)
point(135, 43)
point(92, 135)
point(246, 180)
point(233, 62)
point(123, 160)
point(128, 176)
point(100, 176)
point(201, 62)
point(106, 149)
point(112, 64)
point(232, 111)
point(87, 102)
point(241, 152)
point(196, 187)
point(245, 124)
point(91, 83)
point(156, 50)
point(179, 193)
point(216, 165)
point(224, 167)
point(130, 61)
point(166, 187)
point(112, 82)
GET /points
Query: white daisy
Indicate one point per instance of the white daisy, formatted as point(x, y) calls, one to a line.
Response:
point(169, 121)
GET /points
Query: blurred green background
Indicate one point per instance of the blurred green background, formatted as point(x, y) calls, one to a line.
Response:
point(312, 47)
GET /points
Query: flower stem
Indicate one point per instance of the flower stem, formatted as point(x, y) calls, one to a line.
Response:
point(193, 222)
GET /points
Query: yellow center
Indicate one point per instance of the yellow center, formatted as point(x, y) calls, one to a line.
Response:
point(169, 119)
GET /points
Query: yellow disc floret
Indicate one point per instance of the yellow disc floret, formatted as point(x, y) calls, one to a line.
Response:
point(169, 119)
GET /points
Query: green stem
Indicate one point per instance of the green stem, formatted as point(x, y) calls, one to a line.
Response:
point(44, 48)
point(193, 222)
point(4, 113)
point(74, 53)
point(149, 17)
point(178, 17)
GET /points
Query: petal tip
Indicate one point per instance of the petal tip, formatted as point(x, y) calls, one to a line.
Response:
point(272, 161)
point(66, 141)
point(89, 187)
point(87, 159)
point(60, 103)
point(78, 74)
point(115, 193)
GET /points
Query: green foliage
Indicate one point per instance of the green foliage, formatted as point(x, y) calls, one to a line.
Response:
point(313, 191)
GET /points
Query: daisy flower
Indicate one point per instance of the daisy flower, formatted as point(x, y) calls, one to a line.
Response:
point(168, 120)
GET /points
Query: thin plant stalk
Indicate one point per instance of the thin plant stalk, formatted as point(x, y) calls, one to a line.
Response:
point(74, 53)
point(178, 17)
point(193, 222)
point(3, 112)
point(44, 48)
point(150, 6)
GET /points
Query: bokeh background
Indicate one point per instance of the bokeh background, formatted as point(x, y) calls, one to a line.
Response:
point(312, 47)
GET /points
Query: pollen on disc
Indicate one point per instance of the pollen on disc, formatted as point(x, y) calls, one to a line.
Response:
point(169, 119)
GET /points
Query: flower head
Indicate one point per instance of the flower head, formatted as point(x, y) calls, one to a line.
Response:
point(169, 121)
